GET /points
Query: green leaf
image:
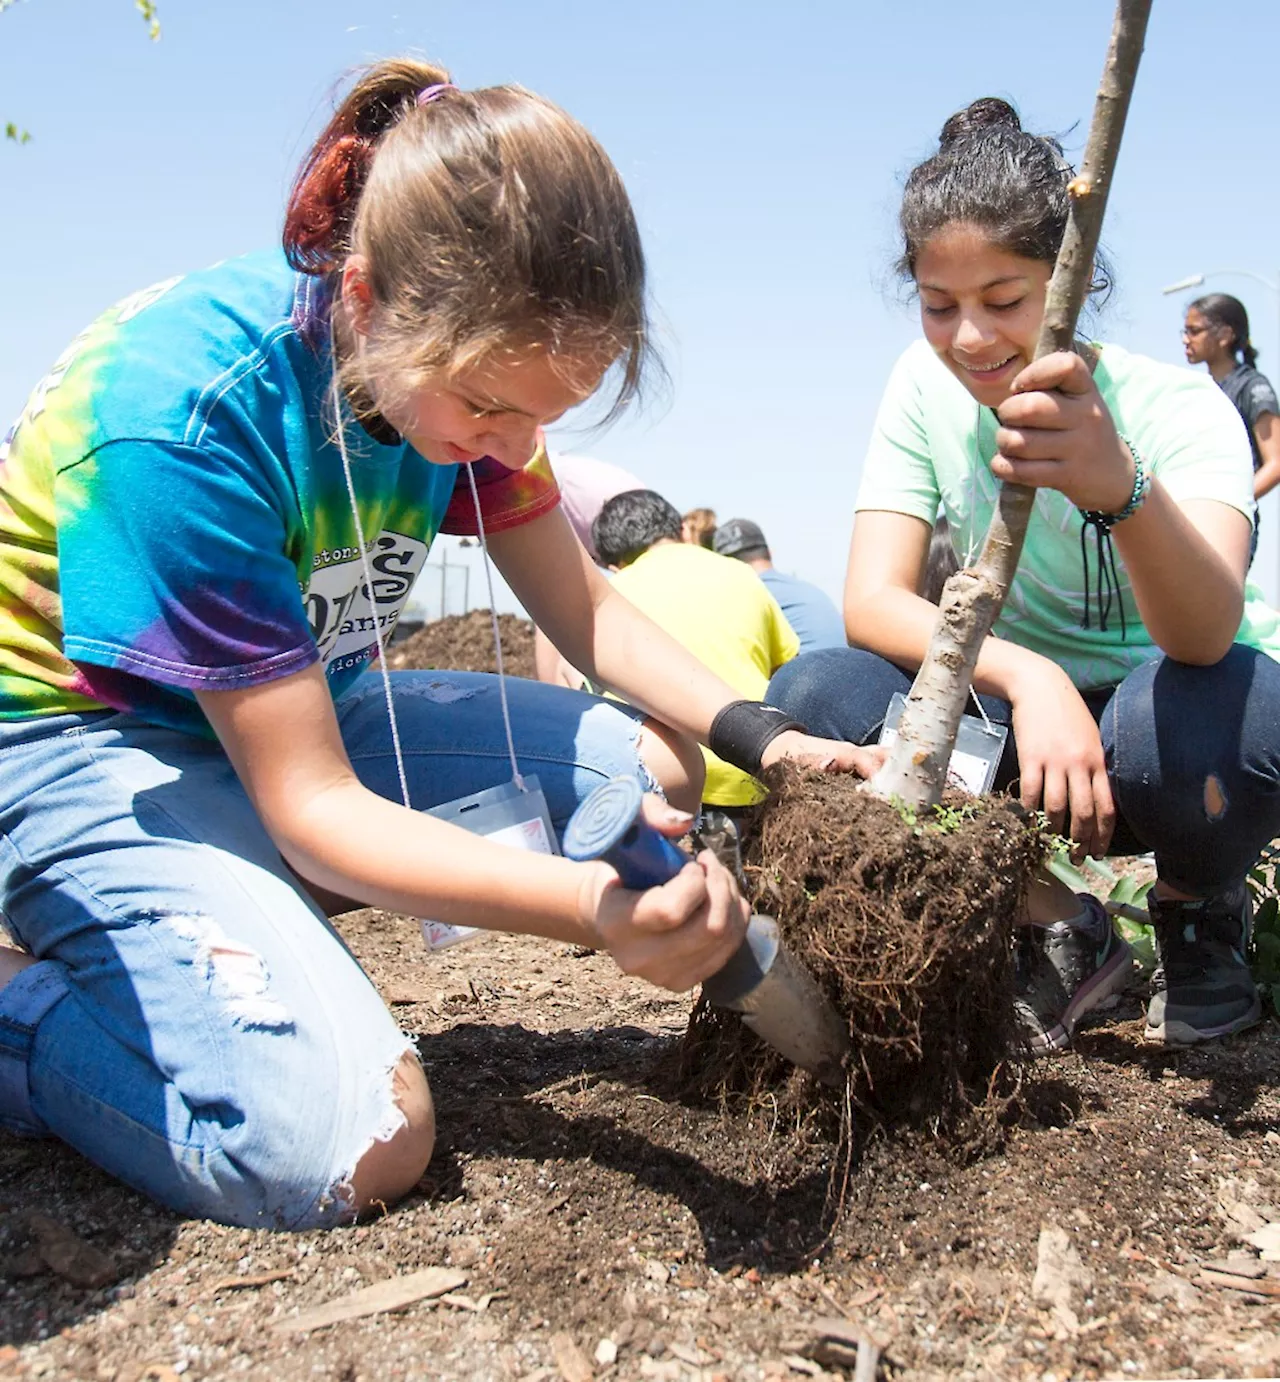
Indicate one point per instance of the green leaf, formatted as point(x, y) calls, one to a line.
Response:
point(1141, 941)
point(1130, 892)
point(1066, 872)
point(1099, 867)
point(11, 131)
point(1125, 890)
point(147, 9)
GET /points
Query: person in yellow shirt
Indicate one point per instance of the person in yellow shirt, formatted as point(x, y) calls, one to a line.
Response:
point(717, 607)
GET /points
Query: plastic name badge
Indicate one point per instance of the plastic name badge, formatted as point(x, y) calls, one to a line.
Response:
point(974, 759)
point(505, 814)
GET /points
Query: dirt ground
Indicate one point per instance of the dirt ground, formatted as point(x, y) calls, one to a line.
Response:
point(597, 1226)
point(588, 1210)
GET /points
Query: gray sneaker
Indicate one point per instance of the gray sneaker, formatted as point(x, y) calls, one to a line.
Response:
point(1063, 971)
point(717, 831)
point(1203, 988)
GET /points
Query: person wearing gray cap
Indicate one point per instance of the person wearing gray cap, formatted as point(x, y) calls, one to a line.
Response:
point(809, 611)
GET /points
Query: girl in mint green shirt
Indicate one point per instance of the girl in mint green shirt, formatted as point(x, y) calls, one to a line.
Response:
point(1134, 664)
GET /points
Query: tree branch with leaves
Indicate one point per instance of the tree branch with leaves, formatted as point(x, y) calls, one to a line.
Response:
point(150, 17)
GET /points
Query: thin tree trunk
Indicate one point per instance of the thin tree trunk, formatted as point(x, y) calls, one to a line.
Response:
point(915, 771)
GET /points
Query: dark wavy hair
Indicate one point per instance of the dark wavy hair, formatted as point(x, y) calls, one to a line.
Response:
point(630, 523)
point(1221, 309)
point(991, 173)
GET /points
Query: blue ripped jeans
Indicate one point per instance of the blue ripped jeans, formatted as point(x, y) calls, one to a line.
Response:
point(1167, 730)
point(195, 1025)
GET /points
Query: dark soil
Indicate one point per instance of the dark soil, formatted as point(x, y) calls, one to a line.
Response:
point(600, 1208)
point(464, 643)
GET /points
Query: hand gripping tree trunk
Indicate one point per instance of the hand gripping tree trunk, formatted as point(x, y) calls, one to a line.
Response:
point(915, 771)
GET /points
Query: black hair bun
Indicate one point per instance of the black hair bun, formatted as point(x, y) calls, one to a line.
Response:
point(987, 112)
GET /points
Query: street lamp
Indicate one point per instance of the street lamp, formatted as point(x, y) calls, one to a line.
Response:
point(1184, 283)
point(1195, 280)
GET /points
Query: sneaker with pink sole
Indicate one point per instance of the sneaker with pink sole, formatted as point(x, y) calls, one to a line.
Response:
point(1064, 971)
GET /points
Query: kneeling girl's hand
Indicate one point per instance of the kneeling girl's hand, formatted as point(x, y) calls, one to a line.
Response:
point(1061, 762)
point(1056, 433)
point(827, 755)
point(676, 935)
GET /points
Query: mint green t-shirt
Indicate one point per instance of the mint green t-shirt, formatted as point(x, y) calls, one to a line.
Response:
point(932, 447)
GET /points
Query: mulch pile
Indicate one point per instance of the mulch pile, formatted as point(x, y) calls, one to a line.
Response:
point(464, 643)
point(907, 926)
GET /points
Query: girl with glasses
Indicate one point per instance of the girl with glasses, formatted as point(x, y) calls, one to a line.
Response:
point(1216, 333)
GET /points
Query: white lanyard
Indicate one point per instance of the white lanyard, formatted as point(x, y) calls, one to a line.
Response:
point(377, 627)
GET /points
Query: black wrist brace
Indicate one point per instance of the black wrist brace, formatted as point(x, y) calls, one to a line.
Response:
point(742, 731)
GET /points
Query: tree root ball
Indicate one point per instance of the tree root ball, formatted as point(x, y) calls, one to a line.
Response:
point(907, 925)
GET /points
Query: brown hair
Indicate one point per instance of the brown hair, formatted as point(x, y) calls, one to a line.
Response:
point(489, 219)
point(942, 562)
point(699, 527)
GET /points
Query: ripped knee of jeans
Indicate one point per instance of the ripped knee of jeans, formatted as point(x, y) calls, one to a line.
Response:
point(391, 1160)
point(438, 691)
point(1215, 798)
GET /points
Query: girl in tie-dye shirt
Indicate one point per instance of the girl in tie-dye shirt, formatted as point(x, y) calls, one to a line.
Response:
point(211, 511)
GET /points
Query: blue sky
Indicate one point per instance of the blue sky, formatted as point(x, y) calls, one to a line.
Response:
point(763, 144)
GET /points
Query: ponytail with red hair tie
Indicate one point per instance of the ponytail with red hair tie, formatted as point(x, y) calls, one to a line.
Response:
point(322, 204)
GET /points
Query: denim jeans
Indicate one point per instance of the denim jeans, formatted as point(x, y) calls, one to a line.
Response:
point(194, 1024)
point(1168, 730)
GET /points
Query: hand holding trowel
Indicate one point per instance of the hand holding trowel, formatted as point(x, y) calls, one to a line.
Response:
point(776, 996)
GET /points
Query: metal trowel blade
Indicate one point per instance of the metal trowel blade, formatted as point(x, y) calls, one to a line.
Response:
point(781, 1003)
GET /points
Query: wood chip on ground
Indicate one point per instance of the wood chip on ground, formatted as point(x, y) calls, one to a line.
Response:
point(396, 1293)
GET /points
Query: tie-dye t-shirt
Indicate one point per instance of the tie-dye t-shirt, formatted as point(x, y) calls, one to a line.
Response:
point(174, 514)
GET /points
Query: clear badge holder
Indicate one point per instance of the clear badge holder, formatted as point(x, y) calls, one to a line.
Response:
point(976, 756)
point(506, 814)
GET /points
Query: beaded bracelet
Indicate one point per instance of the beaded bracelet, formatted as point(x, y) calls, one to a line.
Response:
point(1104, 522)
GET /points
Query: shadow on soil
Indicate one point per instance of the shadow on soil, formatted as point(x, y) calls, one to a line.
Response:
point(48, 1178)
point(488, 1081)
point(1047, 1102)
point(1238, 1072)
